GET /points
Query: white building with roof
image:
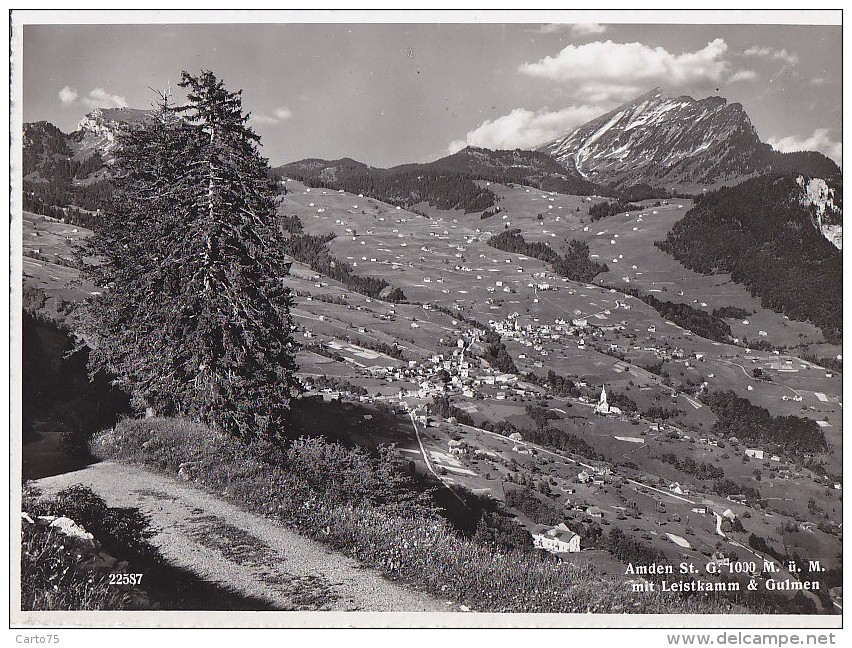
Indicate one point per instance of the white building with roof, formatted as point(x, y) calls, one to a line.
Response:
point(558, 539)
point(603, 407)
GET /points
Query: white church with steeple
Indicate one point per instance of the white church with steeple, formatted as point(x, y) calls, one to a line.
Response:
point(603, 407)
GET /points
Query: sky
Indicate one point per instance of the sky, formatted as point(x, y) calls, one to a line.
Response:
point(388, 94)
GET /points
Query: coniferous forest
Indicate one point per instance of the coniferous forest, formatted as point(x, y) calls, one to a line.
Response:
point(769, 244)
point(753, 424)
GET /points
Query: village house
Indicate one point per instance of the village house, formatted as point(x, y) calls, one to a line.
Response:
point(457, 447)
point(594, 512)
point(558, 539)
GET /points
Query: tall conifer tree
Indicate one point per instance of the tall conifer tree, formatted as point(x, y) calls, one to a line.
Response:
point(194, 318)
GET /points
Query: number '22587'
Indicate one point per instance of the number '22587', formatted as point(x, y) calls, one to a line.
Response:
point(125, 579)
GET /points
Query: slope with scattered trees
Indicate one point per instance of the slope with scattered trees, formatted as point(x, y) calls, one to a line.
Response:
point(313, 251)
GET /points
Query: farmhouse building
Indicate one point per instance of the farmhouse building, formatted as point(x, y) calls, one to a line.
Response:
point(558, 539)
point(595, 512)
point(457, 447)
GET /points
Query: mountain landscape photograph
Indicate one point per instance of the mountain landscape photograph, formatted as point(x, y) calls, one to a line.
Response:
point(453, 321)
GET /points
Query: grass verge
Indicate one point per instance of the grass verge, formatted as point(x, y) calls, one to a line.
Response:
point(58, 573)
point(61, 572)
point(367, 509)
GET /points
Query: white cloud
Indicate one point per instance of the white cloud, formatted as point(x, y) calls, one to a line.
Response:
point(742, 75)
point(615, 70)
point(526, 129)
point(601, 74)
point(768, 52)
point(97, 98)
point(577, 29)
point(68, 95)
point(100, 98)
point(283, 113)
point(278, 115)
point(260, 118)
point(610, 93)
point(821, 140)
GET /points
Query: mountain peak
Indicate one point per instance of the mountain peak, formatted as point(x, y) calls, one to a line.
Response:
point(655, 93)
point(112, 117)
point(97, 130)
point(677, 143)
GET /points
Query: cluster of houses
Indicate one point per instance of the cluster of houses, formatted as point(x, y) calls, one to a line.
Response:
point(679, 489)
point(451, 372)
point(560, 538)
point(535, 336)
point(757, 453)
point(600, 474)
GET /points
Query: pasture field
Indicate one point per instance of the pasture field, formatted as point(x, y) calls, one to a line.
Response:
point(627, 239)
point(422, 256)
point(48, 244)
point(442, 259)
point(651, 515)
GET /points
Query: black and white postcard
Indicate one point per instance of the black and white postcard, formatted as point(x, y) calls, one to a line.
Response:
point(414, 319)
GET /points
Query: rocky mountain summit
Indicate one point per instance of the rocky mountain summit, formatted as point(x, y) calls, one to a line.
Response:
point(675, 144)
point(97, 130)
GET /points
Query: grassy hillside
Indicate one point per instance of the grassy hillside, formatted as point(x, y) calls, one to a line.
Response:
point(365, 508)
point(448, 183)
point(401, 186)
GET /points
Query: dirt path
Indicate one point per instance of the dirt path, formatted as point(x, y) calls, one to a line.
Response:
point(223, 545)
